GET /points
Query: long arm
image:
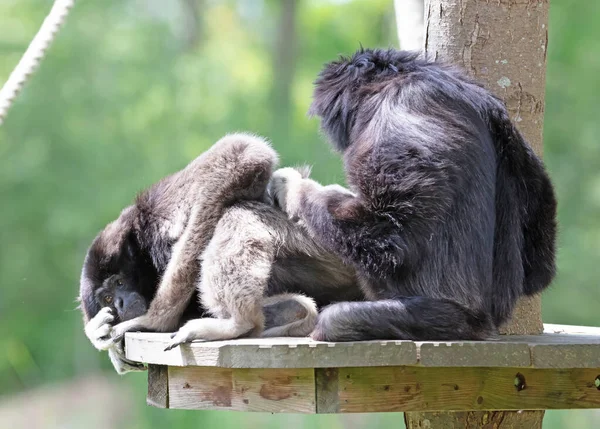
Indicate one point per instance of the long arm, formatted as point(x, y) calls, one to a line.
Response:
point(371, 236)
point(342, 224)
point(237, 167)
point(178, 282)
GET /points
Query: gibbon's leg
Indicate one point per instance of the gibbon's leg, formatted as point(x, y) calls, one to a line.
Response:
point(236, 269)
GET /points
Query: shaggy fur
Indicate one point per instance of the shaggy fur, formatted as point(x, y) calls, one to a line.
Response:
point(453, 215)
point(208, 230)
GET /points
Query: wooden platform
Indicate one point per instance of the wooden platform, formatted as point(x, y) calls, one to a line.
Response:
point(559, 369)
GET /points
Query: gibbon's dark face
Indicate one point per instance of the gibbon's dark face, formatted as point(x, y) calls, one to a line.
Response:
point(117, 275)
point(343, 85)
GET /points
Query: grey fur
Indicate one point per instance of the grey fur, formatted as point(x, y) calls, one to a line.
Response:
point(208, 231)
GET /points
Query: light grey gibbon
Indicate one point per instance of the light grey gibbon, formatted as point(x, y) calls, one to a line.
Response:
point(206, 254)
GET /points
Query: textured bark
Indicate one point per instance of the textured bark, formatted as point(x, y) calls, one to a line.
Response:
point(503, 43)
point(476, 420)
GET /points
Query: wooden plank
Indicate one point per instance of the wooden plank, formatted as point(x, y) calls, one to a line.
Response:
point(550, 328)
point(327, 397)
point(566, 356)
point(269, 352)
point(261, 390)
point(388, 389)
point(149, 348)
point(158, 386)
point(571, 347)
point(384, 389)
point(468, 354)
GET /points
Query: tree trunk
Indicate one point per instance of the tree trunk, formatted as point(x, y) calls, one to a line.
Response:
point(409, 23)
point(193, 27)
point(283, 71)
point(475, 420)
point(503, 44)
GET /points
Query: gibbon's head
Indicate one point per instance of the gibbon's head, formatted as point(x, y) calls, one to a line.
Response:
point(117, 273)
point(353, 85)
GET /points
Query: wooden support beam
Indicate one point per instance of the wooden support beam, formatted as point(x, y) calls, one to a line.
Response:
point(158, 386)
point(377, 389)
point(263, 390)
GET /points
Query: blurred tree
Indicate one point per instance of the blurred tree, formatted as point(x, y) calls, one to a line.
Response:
point(193, 22)
point(284, 63)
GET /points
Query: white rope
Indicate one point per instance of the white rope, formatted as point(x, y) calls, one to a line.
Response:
point(34, 54)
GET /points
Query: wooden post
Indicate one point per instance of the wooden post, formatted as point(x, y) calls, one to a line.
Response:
point(503, 43)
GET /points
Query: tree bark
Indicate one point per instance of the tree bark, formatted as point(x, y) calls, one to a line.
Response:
point(475, 420)
point(502, 43)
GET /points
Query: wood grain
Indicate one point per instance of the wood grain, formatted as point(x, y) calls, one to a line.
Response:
point(476, 420)
point(327, 388)
point(158, 386)
point(560, 347)
point(363, 390)
point(263, 390)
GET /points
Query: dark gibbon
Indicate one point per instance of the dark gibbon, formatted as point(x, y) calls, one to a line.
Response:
point(205, 253)
point(451, 215)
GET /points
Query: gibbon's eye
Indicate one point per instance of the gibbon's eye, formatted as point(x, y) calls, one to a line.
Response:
point(108, 299)
point(119, 282)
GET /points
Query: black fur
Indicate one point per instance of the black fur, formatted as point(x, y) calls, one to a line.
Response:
point(133, 254)
point(454, 217)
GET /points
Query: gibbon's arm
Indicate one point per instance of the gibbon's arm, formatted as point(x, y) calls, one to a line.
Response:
point(237, 167)
point(179, 280)
point(98, 331)
point(339, 220)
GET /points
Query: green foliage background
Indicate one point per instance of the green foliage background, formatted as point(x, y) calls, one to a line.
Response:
point(132, 90)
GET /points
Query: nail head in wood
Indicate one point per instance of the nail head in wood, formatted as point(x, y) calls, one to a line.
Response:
point(520, 382)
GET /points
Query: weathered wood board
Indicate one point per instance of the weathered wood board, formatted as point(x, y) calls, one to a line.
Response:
point(372, 389)
point(264, 390)
point(559, 347)
point(393, 389)
point(557, 370)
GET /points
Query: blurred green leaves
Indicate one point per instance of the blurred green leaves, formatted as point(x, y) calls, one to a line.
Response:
point(124, 98)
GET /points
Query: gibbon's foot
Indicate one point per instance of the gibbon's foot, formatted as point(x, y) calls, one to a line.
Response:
point(209, 329)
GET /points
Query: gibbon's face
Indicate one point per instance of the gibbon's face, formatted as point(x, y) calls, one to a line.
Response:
point(118, 276)
point(342, 85)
